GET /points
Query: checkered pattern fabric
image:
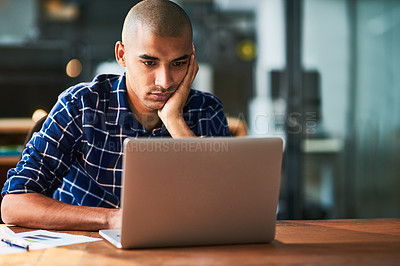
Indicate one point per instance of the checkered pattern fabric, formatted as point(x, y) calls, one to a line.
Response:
point(77, 155)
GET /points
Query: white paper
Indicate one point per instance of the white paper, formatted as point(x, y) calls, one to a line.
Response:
point(6, 232)
point(40, 239)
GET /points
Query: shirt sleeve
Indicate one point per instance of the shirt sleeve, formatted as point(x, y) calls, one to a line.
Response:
point(48, 156)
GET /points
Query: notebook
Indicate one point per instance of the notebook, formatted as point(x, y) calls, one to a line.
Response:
point(198, 191)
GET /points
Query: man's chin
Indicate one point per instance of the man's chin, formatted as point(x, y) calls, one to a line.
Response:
point(156, 106)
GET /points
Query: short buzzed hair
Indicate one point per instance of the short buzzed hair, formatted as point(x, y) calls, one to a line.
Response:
point(162, 17)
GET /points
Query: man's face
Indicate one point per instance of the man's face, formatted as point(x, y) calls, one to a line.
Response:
point(155, 66)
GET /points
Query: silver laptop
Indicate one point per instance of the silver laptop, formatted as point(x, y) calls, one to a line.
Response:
point(198, 191)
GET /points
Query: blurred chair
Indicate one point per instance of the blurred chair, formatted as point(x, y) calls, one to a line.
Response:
point(237, 127)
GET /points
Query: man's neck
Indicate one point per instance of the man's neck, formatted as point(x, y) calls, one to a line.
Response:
point(149, 120)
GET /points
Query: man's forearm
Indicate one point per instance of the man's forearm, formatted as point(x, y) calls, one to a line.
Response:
point(38, 211)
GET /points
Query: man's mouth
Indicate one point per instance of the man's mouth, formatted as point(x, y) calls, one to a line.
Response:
point(160, 96)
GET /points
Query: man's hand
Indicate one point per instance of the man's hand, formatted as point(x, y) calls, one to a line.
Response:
point(171, 113)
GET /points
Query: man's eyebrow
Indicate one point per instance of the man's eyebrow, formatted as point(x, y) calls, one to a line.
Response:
point(152, 58)
point(183, 57)
point(148, 57)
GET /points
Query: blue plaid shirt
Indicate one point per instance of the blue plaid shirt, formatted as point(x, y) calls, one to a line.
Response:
point(77, 156)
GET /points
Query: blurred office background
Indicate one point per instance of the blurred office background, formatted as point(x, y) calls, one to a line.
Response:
point(322, 74)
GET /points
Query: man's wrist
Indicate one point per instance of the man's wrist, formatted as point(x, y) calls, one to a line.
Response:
point(177, 126)
point(114, 218)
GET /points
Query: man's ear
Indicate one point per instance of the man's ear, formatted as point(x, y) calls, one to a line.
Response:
point(120, 53)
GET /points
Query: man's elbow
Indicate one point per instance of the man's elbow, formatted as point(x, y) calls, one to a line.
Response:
point(9, 209)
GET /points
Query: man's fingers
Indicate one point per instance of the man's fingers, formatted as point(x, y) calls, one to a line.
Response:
point(196, 69)
point(193, 69)
point(188, 79)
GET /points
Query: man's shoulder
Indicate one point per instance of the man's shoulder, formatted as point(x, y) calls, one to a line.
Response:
point(201, 99)
point(100, 86)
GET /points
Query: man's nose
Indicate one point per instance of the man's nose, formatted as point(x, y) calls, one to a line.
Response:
point(164, 78)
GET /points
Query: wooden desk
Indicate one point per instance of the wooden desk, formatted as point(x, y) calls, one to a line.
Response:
point(333, 242)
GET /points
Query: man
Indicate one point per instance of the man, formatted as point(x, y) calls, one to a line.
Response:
point(70, 173)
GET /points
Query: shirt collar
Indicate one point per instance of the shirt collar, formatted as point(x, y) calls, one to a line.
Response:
point(119, 112)
point(118, 107)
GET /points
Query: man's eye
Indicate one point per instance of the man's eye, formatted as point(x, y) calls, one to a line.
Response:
point(178, 64)
point(149, 63)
